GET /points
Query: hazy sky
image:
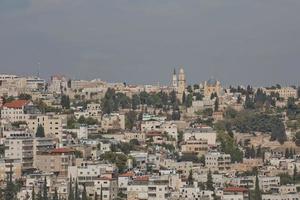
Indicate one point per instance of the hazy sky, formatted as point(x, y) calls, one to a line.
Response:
point(141, 41)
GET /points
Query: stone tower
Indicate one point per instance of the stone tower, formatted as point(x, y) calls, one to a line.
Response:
point(174, 80)
point(181, 83)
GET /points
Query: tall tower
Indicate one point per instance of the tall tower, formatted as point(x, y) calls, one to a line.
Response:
point(174, 80)
point(181, 83)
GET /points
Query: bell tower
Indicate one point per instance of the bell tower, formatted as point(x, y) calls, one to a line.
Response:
point(174, 80)
point(181, 83)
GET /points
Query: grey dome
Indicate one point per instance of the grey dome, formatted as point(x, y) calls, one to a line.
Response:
point(212, 82)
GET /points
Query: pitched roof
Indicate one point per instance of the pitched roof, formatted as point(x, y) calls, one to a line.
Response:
point(142, 178)
point(235, 189)
point(16, 104)
point(62, 150)
point(127, 174)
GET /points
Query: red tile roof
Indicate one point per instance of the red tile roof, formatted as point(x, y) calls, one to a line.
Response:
point(16, 104)
point(235, 189)
point(127, 174)
point(153, 134)
point(62, 150)
point(142, 178)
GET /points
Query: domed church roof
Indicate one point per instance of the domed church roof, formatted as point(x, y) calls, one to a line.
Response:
point(212, 82)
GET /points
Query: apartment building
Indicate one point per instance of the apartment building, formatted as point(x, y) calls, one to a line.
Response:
point(53, 124)
point(268, 182)
point(158, 188)
point(15, 110)
point(113, 121)
point(7, 164)
point(124, 180)
point(56, 161)
point(89, 172)
point(284, 92)
point(140, 136)
point(194, 146)
point(107, 187)
point(235, 193)
point(20, 149)
point(203, 133)
point(218, 161)
point(93, 110)
point(294, 196)
point(194, 193)
point(138, 188)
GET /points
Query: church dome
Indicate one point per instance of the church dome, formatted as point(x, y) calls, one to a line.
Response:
point(212, 82)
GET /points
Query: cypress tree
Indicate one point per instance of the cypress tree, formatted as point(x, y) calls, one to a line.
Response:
point(71, 192)
point(190, 180)
point(286, 155)
point(257, 191)
point(9, 192)
point(45, 191)
point(84, 195)
point(39, 195)
point(209, 183)
point(55, 197)
point(33, 194)
point(291, 153)
point(252, 152)
point(183, 98)
point(295, 174)
point(101, 192)
point(217, 104)
point(76, 191)
point(40, 132)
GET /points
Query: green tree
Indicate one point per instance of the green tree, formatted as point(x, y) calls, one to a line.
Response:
point(252, 152)
point(71, 191)
point(249, 103)
point(278, 132)
point(39, 194)
point(33, 194)
point(130, 119)
point(196, 87)
point(257, 192)
point(135, 102)
point(45, 190)
point(84, 194)
point(71, 122)
point(76, 191)
point(65, 102)
point(173, 98)
point(25, 96)
point(285, 179)
point(189, 100)
point(217, 104)
point(189, 89)
point(295, 174)
point(55, 196)
point(176, 115)
point(101, 192)
point(40, 132)
point(209, 182)
point(183, 98)
point(9, 99)
point(108, 102)
point(190, 180)
point(198, 96)
point(10, 191)
point(239, 99)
